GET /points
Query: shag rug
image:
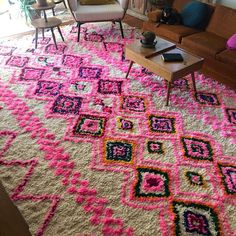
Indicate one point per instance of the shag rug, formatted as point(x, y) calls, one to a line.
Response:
point(84, 151)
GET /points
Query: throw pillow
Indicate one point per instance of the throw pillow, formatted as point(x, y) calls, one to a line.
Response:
point(96, 2)
point(195, 14)
point(231, 42)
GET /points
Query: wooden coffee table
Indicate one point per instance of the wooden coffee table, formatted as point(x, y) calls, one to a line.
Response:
point(168, 70)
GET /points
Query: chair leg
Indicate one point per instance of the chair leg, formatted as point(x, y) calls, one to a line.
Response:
point(59, 30)
point(121, 29)
point(43, 33)
point(36, 37)
point(78, 25)
point(54, 39)
point(64, 4)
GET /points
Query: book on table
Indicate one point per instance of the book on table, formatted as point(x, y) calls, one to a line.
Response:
point(172, 57)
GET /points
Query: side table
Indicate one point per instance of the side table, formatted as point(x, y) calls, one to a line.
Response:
point(46, 22)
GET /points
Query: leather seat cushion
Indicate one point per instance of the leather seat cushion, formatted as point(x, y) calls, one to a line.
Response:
point(171, 32)
point(205, 44)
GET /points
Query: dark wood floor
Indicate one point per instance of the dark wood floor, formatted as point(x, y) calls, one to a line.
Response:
point(133, 21)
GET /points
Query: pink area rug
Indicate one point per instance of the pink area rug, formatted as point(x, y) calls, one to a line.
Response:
point(84, 151)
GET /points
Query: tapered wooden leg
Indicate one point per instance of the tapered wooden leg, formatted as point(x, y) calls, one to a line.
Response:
point(54, 39)
point(168, 93)
point(59, 30)
point(36, 37)
point(121, 29)
point(78, 24)
point(64, 4)
point(43, 33)
point(194, 84)
point(130, 65)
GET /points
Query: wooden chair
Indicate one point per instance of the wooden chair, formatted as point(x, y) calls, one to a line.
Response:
point(98, 13)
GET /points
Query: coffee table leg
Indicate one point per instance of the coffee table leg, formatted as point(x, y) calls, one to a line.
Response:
point(193, 80)
point(130, 65)
point(54, 39)
point(59, 30)
point(168, 93)
point(36, 37)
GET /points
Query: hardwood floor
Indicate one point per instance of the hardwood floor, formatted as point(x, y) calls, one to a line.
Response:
point(133, 21)
point(128, 19)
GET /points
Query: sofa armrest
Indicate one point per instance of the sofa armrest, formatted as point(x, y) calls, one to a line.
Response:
point(155, 16)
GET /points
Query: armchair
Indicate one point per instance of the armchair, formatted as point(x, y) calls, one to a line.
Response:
point(98, 13)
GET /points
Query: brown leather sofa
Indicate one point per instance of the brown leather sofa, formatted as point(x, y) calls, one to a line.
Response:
point(209, 43)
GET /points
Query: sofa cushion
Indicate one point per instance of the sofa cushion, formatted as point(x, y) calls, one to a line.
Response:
point(171, 32)
point(205, 44)
point(231, 42)
point(195, 14)
point(228, 57)
point(222, 22)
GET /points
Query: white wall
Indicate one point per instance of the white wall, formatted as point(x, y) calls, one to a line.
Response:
point(229, 3)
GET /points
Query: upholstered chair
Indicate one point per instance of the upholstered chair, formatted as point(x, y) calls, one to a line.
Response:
point(114, 12)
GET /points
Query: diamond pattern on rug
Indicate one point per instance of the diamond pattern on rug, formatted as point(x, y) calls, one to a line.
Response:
point(126, 126)
point(17, 61)
point(109, 87)
point(161, 124)
point(72, 61)
point(118, 151)
point(93, 37)
point(228, 174)
point(197, 149)
point(51, 49)
point(155, 147)
point(67, 105)
point(194, 178)
point(207, 99)
point(133, 103)
point(29, 73)
point(90, 125)
point(195, 219)
point(231, 113)
point(151, 183)
point(47, 88)
point(90, 72)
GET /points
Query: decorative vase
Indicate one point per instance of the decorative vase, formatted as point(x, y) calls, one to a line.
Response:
point(42, 3)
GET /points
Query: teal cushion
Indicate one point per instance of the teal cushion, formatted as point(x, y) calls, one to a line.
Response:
point(195, 14)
